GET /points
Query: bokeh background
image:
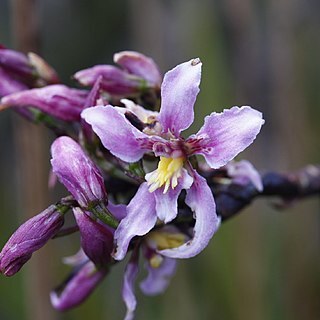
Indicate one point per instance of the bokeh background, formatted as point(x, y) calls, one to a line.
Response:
point(263, 264)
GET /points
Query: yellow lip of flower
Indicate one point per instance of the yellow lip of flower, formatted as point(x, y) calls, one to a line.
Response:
point(166, 240)
point(167, 173)
point(161, 240)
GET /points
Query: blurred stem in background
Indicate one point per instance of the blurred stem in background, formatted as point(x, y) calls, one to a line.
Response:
point(31, 148)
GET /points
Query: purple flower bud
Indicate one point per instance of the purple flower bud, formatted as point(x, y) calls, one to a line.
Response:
point(57, 100)
point(78, 287)
point(29, 237)
point(8, 84)
point(15, 62)
point(77, 172)
point(92, 99)
point(28, 68)
point(114, 80)
point(42, 69)
point(139, 65)
point(96, 239)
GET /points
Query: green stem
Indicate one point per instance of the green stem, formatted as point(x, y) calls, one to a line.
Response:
point(65, 204)
point(62, 208)
point(103, 214)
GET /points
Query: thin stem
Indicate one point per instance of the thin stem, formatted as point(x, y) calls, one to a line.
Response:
point(103, 214)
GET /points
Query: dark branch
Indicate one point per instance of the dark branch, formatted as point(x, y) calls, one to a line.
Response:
point(232, 198)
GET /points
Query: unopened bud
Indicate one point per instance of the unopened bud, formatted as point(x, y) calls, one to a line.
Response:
point(42, 69)
point(30, 237)
point(15, 62)
point(77, 172)
point(8, 84)
point(96, 239)
point(114, 81)
point(56, 100)
point(139, 65)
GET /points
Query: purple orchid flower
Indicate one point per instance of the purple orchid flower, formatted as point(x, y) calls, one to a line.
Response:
point(139, 72)
point(220, 139)
point(160, 268)
point(57, 100)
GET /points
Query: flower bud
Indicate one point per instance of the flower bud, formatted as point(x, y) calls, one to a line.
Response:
point(78, 287)
point(114, 81)
point(16, 62)
point(56, 100)
point(42, 69)
point(139, 65)
point(8, 84)
point(30, 69)
point(77, 172)
point(30, 237)
point(93, 98)
point(96, 239)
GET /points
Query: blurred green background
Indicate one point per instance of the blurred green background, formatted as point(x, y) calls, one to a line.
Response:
point(263, 264)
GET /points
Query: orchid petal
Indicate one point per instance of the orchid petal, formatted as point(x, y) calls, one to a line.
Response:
point(139, 65)
point(142, 113)
point(200, 200)
point(167, 203)
point(179, 91)
point(243, 172)
point(78, 288)
point(128, 295)
point(119, 211)
point(141, 218)
point(117, 134)
point(226, 134)
point(159, 278)
point(77, 259)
